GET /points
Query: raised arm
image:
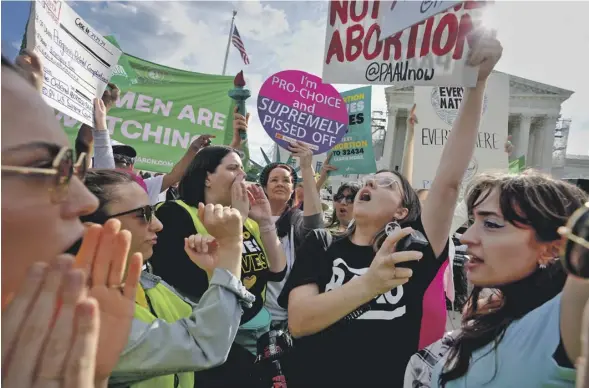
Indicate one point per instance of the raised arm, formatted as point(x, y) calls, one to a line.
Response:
point(574, 298)
point(180, 168)
point(439, 209)
point(312, 199)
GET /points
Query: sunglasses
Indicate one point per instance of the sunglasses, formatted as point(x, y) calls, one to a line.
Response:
point(146, 212)
point(64, 167)
point(349, 198)
point(575, 253)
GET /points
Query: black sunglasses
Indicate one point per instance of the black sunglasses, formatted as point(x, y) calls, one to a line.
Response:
point(146, 212)
point(349, 198)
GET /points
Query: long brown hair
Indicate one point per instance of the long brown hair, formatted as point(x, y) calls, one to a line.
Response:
point(530, 199)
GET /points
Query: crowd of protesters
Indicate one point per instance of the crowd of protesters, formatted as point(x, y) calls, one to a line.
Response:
point(197, 278)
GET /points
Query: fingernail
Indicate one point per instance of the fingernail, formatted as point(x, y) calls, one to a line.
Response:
point(37, 270)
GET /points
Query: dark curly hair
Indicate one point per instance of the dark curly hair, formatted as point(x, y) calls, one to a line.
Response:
point(533, 200)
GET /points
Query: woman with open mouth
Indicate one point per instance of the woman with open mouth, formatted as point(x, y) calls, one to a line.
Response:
point(355, 303)
point(531, 336)
point(343, 207)
point(216, 176)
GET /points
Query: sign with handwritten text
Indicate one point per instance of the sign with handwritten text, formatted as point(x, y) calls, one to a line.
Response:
point(432, 52)
point(77, 60)
point(355, 155)
point(396, 15)
point(297, 106)
point(436, 110)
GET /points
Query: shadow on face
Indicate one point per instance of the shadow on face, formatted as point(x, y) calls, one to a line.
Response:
point(218, 184)
point(129, 196)
point(32, 137)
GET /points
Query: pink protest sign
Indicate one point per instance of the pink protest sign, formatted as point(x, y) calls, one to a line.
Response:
point(295, 106)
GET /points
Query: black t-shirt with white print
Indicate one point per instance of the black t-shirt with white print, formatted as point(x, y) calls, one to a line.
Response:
point(373, 349)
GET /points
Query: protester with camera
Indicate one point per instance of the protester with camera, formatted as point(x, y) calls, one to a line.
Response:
point(362, 268)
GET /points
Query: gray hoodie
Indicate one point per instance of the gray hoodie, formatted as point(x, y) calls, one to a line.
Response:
point(201, 341)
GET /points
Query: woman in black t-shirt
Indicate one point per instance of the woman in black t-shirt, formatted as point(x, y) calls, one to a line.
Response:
point(340, 345)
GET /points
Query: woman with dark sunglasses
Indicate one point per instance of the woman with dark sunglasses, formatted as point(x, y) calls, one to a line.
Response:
point(355, 303)
point(171, 336)
point(343, 207)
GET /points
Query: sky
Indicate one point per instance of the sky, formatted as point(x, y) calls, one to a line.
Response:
point(545, 41)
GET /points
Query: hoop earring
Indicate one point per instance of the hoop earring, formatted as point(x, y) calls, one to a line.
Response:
point(391, 227)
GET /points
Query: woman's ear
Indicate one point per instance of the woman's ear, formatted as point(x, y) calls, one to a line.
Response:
point(401, 213)
point(550, 251)
point(208, 180)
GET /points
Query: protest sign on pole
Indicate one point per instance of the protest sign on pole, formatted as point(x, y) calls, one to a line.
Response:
point(354, 154)
point(396, 15)
point(164, 111)
point(77, 60)
point(436, 110)
point(430, 53)
point(296, 106)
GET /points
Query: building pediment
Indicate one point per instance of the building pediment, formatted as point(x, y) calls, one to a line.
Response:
point(518, 85)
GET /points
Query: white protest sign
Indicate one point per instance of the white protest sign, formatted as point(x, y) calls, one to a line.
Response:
point(437, 108)
point(396, 15)
point(432, 52)
point(77, 61)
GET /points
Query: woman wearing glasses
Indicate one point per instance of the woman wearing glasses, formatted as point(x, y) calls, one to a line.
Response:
point(170, 335)
point(343, 207)
point(51, 319)
point(364, 330)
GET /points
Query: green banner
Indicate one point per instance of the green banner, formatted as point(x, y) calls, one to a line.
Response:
point(518, 165)
point(161, 110)
point(354, 154)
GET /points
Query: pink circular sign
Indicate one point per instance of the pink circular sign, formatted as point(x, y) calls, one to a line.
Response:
point(296, 106)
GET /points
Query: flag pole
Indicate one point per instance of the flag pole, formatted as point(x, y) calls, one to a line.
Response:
point(229, 42)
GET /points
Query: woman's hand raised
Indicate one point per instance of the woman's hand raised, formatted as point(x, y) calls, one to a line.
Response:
point(260, 210)
point(383, 275)
point(113, 283)
point(50, 330)
point(226, 226)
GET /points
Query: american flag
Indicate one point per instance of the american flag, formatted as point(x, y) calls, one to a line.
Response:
point(238, 43)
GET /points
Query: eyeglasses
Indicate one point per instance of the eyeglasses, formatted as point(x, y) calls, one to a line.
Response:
point(146, 212)
point(63, 167)
point(379, 181)
point(349, 198)
point(575, 253)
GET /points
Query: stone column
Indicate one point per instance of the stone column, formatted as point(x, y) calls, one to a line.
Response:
point(546, 144)
point(521, 139)
point(389, 140)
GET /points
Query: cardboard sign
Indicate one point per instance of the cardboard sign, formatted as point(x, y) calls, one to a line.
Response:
point(355, 155)
point(77, 61)
point(430, 53)
point(296, 106)
point(396, 15)
point(436, 110)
